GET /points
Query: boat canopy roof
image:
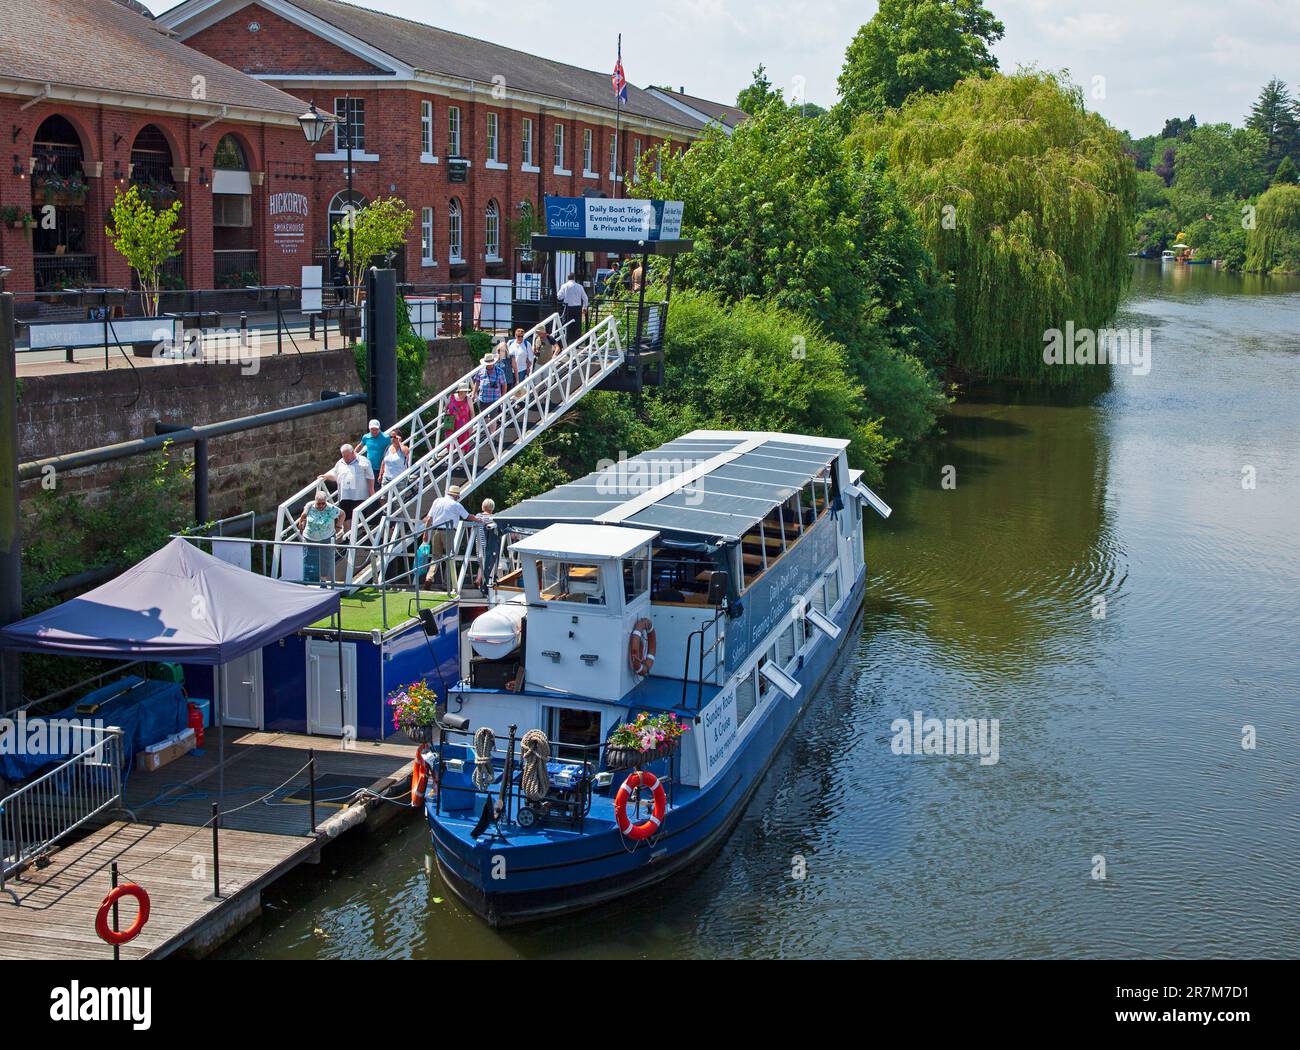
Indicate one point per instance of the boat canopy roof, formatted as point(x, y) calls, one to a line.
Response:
point(709, 486)
point(592, 541)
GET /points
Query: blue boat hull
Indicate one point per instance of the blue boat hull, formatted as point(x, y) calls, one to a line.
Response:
point(508, 883)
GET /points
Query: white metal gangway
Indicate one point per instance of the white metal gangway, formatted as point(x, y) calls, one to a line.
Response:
point(473, 453)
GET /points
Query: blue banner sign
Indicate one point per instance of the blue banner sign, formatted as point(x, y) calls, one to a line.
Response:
point(615, 220)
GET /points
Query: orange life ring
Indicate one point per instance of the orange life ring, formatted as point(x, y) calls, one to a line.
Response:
point(118, 937)
point(419, 780)
point(653, 821)
point(641, 647)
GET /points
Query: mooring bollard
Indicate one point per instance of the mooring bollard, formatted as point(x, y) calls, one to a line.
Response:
point(216, 854)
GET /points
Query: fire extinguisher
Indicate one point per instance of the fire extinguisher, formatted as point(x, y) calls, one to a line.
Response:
point(196, 723)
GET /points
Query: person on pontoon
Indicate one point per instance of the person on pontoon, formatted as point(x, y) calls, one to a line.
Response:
point(441, 520)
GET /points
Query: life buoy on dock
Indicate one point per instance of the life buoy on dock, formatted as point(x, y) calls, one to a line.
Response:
point(419, 780)
point(119, 937)
point(641, 647)
point(653, 821)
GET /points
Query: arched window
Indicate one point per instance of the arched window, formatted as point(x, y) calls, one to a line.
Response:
point(59, 193)
point(151, 165)
point(455, 242)
point(492, 232)
point(341, 205)
point(230, 155)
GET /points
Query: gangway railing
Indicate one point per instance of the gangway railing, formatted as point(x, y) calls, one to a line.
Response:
point(424, 430)
point(50, 808)
point(471, 454)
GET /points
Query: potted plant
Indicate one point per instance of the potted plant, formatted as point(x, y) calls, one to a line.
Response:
point(11, 217)
point(415, 710)
point(647, 739)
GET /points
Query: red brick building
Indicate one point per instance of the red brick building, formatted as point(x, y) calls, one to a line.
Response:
point(461, 129)
point(93, 96)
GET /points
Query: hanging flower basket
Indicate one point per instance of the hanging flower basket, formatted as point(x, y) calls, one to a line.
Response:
point(420, 734)
point(648, 739)
point(415, 710)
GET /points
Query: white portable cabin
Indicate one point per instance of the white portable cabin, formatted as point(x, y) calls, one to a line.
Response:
point(586, 587)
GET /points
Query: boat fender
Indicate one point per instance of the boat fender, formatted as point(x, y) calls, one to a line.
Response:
point(654, 820)
point(641, 647)
point(118, 937)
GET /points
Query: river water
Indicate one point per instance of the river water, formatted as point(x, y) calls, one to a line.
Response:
point(1099, 576)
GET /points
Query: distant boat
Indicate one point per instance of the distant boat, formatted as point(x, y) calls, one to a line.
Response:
point(1168, 257)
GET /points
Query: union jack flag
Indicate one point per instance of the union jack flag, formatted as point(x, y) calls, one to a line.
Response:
point(618, 79)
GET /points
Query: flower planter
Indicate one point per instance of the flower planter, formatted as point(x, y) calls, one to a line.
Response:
point(617, 758)
point(419, 734)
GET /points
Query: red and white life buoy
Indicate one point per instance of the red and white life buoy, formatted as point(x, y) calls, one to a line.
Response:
point(641, 647)
point(419, 780)
point(117, 937)
point(653, 821)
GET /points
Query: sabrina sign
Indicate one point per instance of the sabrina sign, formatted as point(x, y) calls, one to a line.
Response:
point(617, 220)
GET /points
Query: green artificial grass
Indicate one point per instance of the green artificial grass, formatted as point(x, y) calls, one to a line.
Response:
point(364, 610)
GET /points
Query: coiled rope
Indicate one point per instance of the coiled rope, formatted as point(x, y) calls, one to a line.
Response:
point(485, 743)
point(534, 781)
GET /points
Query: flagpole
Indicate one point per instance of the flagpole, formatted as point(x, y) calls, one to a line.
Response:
point(618, 120)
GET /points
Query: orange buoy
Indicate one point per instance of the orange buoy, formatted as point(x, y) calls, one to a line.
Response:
point(653, 821)
point(118, 937)
point(641, 647)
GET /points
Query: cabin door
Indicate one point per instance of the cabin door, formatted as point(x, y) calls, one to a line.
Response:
point(241, 690)
point(325, 713)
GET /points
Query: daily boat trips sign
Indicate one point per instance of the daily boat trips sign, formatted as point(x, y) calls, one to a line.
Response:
point(614, 220)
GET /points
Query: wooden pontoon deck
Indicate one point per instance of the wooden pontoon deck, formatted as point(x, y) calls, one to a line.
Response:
point(49, 912)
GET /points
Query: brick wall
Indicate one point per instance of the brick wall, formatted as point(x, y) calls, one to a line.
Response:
point(250, 471)
point(279, 153)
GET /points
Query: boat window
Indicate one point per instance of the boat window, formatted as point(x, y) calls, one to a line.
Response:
point(680, 576)
point(636, 577)
point(833, 587)
point(570, 731)
point(570, 581)
point(764, 687)
point(819, 599)
point(785, 646)
point(745, 699)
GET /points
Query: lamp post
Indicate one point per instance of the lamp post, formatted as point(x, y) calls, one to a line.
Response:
point(314, 125)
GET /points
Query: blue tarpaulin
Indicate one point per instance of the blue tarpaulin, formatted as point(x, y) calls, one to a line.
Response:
point(145, 711)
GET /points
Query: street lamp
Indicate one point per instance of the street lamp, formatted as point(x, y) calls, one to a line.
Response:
point(314, 124)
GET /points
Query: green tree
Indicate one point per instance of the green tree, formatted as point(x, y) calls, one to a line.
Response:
point(779, 212)
point(1286, 173)
point(1273, 246)
point(912, 46)
point(378, 229)
point(146, 237)
point(1027, 199)
point(1222, 161)
point(759, 92)
point(1274, 117)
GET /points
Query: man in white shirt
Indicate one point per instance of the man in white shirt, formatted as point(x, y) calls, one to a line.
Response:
point(442, 517)
point(573, 298)
point(355, 479)
point(521, 357)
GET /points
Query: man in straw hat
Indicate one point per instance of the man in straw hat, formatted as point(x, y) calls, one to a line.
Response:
point(489, 381)
point(441, 519)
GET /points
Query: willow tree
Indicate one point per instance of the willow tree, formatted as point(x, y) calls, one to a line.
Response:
point(1273, 246)
point(1026, 199)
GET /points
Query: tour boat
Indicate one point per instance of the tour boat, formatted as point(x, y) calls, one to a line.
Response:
point(652, 634)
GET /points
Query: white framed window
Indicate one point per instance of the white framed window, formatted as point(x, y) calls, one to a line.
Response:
point(586, 150)
point(453, 131)
point(613, 156)
point(426, 127)
point(426, 236)
point(746, 698)
point(492, 232)
point(493, 127)
point(232, 209)
point(559, 147)
point(527, 140)
point(455, 245)
point(351, 114)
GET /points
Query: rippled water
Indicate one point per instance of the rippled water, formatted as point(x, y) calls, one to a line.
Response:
point(1120, 736)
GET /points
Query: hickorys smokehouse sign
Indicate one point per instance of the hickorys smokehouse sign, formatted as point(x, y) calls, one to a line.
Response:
point(288, 214)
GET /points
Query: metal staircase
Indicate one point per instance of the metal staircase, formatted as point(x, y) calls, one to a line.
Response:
point(389, 523)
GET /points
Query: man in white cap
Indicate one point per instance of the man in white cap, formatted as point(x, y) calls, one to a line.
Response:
point(355, 479)
point(442, 517)
point(376, 444)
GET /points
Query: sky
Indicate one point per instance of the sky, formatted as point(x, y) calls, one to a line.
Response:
point(1138, 62)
